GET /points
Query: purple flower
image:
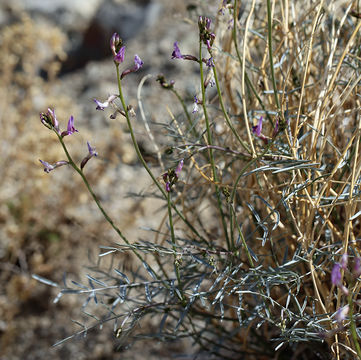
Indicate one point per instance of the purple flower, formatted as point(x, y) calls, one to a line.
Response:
point(119, 56)
point(167, 186)
point(357, 267)
point(258, 128)
point(49, 120)
point(205, 34)
point(344, 261)
point(179, 168)
point(336, 278)
point(70, 129)
point(114, 42)
point(275, 131)
point(176, 54)
point(172, 176)
point(208, 23)
point(195, 106)
point(91, 152)
point(341, 314)
point(138, 63)
point(336, 275)
point(49, 167)
point(106, 103)
point(210, 62)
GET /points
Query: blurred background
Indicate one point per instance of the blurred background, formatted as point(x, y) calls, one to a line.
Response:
point(56, 54)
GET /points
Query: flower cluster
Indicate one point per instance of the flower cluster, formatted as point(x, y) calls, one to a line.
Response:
point(205, 33)
point(117, 49)
point(49, 120)
point(119, 54)
point(172, 176)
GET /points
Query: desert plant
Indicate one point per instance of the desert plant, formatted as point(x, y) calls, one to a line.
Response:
point(262, 199)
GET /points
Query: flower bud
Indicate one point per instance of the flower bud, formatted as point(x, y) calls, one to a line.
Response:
point(115, 43)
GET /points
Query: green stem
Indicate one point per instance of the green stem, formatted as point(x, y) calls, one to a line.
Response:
point(269, 14)
point(210, 150)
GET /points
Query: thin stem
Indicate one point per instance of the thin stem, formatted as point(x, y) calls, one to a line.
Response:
point(242, 239)
point(269, 15)
point(174, 244)
point(210, 150)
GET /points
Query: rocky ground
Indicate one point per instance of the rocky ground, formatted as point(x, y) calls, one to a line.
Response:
point(29, 322)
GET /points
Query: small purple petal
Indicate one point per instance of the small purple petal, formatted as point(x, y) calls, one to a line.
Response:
point(91, 150)
point(100, 105)
point(210, 62)
point(344, 289)
point(113, 42)
point(137, 63)
point(176, 54)
point(344, 261)
point(336, 275)
point(208, 23)
point(71, 129)
point(167, 186)
point(119, 57)
point(106, 103)
point(91, 153)
point(258, 128)
point(47, 167)
point(179, 168)
point(51, 112)
point(341, 314)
